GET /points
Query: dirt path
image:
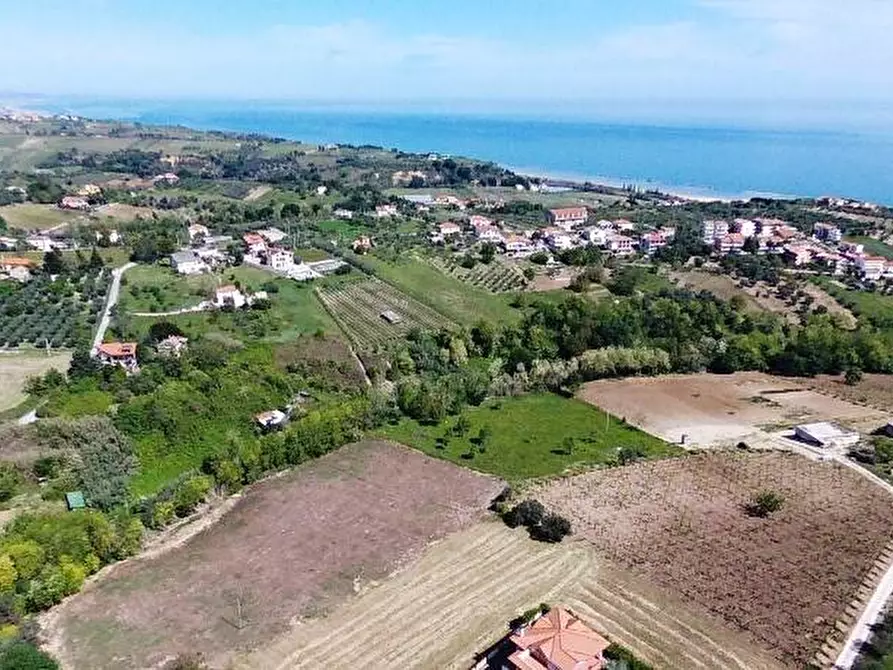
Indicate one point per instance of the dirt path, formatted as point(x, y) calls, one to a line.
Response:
point(455, 601)
point(110, 303)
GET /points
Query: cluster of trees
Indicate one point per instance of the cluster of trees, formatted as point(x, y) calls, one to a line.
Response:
point(542, 525)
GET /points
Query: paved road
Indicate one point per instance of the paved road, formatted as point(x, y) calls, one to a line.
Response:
point(110, 302)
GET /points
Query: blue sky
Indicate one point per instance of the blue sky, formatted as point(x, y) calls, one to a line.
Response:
point(809, 59)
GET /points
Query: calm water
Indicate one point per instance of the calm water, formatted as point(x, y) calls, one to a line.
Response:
point(703, 161)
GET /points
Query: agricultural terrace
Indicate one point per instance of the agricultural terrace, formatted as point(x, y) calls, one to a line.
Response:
point(294, 309)
point(358, 307)
point(721, 410)
point(293, 547)
point(786, 579)
point(16, 368)
point(461, 302)
point(529, 436)
point(495, 277)
point(61, 312)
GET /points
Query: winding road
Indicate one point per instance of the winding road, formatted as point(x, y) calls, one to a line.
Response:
point(110, 302)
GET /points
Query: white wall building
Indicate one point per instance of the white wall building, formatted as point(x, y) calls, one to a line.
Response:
point(187, 263)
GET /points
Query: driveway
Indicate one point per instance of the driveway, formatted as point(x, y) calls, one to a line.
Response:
point(111, 301)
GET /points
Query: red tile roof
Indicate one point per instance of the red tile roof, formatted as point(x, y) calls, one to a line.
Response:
point(118, 349)
point(569, 213)
point(14, 261)
point(561, 641)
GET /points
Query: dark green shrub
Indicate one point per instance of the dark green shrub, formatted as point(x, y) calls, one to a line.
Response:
point(528, 513)
point(552, 528)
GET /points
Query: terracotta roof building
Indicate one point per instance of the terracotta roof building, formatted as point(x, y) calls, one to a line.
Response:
point(558, 641)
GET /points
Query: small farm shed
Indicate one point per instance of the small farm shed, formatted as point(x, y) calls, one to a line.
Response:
point(391, 316)
point(825, 435)
point(75, 500)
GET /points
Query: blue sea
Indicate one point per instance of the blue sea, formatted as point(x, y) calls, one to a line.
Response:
point(698, 161)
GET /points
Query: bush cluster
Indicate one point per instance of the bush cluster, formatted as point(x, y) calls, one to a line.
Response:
point(542, 525)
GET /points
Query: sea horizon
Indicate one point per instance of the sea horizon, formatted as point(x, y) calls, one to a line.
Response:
point(706, 162)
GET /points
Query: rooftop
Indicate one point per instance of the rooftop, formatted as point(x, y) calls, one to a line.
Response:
point(118, 349)
point(560, 641)
point(825, 431)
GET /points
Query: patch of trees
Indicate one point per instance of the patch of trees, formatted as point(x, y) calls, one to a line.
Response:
point(542, 526)
point(134, 161)
point(44, 190)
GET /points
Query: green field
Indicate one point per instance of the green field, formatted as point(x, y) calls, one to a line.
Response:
point(872, 246)
point(452, 297)
point(528, 435)
point(29, 216)
point(153, 288)
point(875, 308)
point(295, 310)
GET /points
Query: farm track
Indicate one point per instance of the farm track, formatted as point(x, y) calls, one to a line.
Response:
point(456, 600)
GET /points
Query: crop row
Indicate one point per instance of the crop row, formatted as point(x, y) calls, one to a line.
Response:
point(495, 277)
point(358, 308)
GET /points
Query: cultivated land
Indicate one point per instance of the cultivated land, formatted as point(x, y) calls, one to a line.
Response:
point(357, 306)
point(292, 547)
point(461, 302)
point(786, 579)
point(527, 437)
point(721, 410)
point(456, 599)
point(498, 276)
point(29, 216)
point(153, 288)
point(15, 368)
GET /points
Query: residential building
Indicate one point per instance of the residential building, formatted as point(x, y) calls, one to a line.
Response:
point(621, 245)
point(623, 225)
point(197, 230)
point(254, 243)
point(477, 221)
point(518, 245)
point(122, 354)
point(385, 211)
point(568, 218)
point(558, 239)
point(797, 254)
point(490, 234)
point(280, 259)
point(342, 213)
point(272, 235)
point(322, 190)
point(450, 201)
point(229, 296)
point(651, 242)
point(872, 267)
point(729, 243)
point(746, 227)
point(303, 272)
point(362, 244)
point(166, 178)
point(74, 202)
point(827, 232)
point(110, 236)
point(187, 263)
point(43, 243)
point(89, 191)
point(596, 235)
point(449, 229)
point(172, 346)
point(8, 242)
point(557, 640)
point(17, 269)
point(852, 248)
point(712, 229)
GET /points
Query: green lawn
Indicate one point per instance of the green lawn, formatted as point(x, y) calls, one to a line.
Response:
point(29, 216)
point(872, 246)
point(455, 299)
point(153, 288)
point(527, 437)
point(295, 310)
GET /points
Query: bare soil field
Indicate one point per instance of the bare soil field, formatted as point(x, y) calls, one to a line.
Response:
point(457, 599)
point(873, 390)
point(124, 212)
point(680, 523)
point(292, 547)
point(15, 368)
point(721, 410)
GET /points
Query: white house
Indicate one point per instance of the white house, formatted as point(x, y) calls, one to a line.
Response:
point(490, 234)
point(272, 235)
point(254, 243)
point(197, 230)
point(714, 229)
point(746, 227)
point(385, 211)
point(827, 232)
point(42, 243)
point(596, 235)
point(729, 243)
point(74, 202)
point(187, 263)
point(280, 259)
point(229, 296)
point(342, 214)
point(448, 229)
point(651, 242)
point(558, 239)
point(872, 267)
point(518, 245)
point(567, 218)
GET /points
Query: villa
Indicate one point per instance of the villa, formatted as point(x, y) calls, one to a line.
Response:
point(122, 354)
point(568, 218)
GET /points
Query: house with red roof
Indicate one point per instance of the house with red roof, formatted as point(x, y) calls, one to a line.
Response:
point(567, 218)
point(122, 354)
point(556, 640)
point(254, 243)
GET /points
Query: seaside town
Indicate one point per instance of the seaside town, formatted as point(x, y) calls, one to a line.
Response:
point(600, 411)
